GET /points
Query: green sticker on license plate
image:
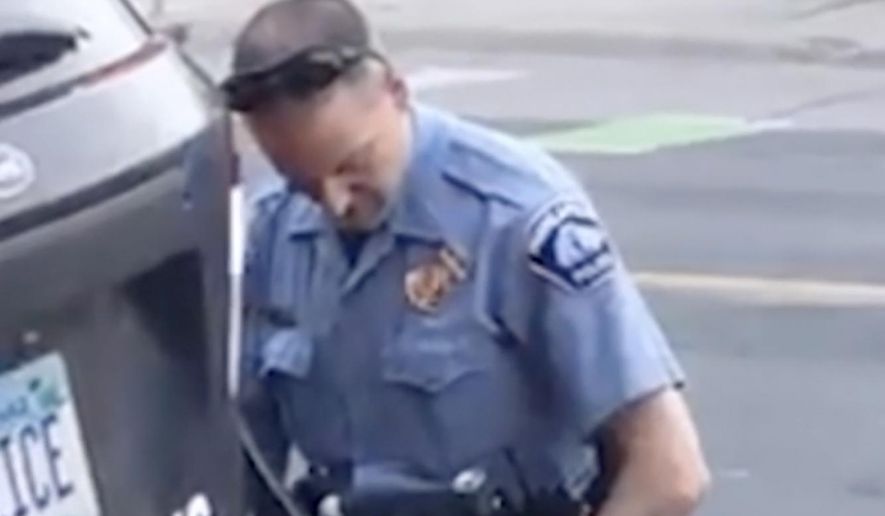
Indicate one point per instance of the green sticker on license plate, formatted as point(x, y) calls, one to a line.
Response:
point(43, 464)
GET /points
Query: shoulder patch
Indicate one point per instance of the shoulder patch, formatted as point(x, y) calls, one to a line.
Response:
point(568, 246)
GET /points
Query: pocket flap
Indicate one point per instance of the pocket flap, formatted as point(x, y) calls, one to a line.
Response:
point(288, 351)
point(430, 365)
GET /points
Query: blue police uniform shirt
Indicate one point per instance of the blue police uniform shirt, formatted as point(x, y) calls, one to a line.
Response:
point(537, 333)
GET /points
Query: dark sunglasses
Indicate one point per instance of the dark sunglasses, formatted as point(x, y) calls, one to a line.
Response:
point(300, 76)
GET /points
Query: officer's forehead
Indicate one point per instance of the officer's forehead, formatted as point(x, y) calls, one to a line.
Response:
point(335, 125)
point(286, 27)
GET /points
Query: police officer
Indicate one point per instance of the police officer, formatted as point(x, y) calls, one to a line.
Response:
point(423, 292)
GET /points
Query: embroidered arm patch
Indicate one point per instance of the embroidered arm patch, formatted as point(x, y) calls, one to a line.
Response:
point(568, 247)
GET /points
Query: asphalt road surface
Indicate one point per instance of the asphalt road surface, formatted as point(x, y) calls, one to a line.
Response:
point(788, 382)
point(758, 236)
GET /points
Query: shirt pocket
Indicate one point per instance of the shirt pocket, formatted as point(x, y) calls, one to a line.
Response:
point(288, 351)
point(433, 359)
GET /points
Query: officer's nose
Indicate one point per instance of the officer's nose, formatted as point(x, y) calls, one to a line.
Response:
point(337, 197)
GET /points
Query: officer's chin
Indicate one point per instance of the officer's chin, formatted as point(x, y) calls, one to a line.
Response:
point(364, 222)
point(359, 224)
point(347, 227)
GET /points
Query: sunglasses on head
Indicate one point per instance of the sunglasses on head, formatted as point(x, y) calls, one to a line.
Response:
point(300, 76)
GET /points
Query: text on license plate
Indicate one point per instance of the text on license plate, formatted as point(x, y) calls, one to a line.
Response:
point(43, 465)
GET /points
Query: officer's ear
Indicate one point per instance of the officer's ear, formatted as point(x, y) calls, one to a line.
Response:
point(396, 85)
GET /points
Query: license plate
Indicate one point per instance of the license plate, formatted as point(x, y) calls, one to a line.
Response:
point(43, 465)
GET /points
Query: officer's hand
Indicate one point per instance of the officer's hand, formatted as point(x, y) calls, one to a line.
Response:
point(311, 491)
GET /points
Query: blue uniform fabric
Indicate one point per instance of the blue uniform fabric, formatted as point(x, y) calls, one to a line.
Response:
point(541, 339)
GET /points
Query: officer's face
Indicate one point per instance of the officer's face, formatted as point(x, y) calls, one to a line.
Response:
point(346, 149)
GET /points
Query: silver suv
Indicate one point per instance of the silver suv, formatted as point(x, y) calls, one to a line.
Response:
point(115, 167)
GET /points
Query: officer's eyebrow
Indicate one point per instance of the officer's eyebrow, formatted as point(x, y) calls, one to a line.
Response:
point(286, 27)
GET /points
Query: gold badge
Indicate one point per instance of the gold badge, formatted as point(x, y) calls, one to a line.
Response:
point(428, 284)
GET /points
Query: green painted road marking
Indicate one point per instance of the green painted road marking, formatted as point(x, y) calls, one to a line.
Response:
point(648, 133)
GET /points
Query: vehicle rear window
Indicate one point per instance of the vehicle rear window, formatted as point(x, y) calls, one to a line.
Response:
point(44, 42)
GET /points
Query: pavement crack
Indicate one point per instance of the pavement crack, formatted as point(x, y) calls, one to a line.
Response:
point(831, 7)
point(829, 101)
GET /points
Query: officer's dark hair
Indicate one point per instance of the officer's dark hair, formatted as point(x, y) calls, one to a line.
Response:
point(285, 28)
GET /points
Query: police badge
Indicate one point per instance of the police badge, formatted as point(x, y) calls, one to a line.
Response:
point(429, 283)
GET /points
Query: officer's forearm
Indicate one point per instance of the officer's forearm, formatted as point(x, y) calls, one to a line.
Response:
point(628, 499)
point(660, 468)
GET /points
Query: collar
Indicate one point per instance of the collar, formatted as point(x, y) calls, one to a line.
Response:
point(305, 217)
point(414, 216)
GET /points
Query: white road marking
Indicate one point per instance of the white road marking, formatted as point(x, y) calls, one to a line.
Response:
point(768, 291)
point(438, 77)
